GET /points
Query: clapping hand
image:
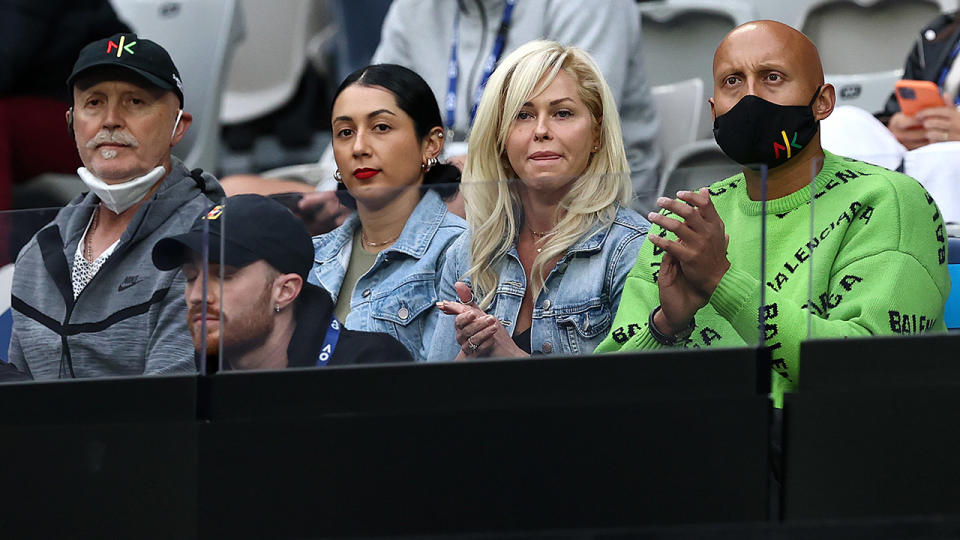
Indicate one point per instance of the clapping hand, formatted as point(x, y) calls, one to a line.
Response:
point(694, 263)
point(478, 334)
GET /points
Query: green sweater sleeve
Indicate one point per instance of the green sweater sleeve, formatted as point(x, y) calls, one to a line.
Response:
point(630, 331)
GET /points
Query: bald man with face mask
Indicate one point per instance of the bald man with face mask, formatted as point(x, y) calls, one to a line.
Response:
point(874, 261)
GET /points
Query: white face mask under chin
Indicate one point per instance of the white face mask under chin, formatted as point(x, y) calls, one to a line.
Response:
point(120, 197)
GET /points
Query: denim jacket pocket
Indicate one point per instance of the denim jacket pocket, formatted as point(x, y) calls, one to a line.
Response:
point(585, 329)
point(405, 303)
point(588, 323)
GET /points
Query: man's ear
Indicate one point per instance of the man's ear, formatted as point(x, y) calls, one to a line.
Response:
point(825, 102)
point(286, 288)
point(185, 120)
point(713, 110)
point(68, 116)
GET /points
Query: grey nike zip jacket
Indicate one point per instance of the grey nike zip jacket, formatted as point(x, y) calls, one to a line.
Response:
point(131, 318)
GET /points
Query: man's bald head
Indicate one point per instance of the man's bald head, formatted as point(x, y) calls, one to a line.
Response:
point(772, 61)
point(751, 40)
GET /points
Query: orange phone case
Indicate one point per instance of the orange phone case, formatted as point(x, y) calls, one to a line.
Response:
point(914, 96)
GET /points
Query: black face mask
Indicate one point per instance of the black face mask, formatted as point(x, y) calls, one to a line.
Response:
point(756, 132)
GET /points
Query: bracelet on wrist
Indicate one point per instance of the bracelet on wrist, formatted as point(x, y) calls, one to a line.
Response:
point(669, 339)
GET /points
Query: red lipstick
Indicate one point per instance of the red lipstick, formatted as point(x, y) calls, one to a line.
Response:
point(363, 174)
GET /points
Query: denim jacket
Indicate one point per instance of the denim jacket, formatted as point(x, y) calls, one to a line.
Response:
point(398, 294)
point(574, 311)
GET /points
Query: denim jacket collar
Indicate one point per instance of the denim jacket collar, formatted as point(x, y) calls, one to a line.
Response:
point(591, 242)
point(421, 226)
point(337, 240)
point(414, 240)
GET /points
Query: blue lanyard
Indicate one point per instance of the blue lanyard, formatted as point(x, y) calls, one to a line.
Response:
point(946, 69)
point(453, 69)
point(329, 342)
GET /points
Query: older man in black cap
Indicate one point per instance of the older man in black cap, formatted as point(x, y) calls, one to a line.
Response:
point(258, 302)
point(87, 300)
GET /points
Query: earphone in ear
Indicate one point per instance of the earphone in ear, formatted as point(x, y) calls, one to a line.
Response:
point(177, 123)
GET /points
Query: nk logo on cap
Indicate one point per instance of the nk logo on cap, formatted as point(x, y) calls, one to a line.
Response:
point(214, 212)
point(787, 144)
point(121, 48)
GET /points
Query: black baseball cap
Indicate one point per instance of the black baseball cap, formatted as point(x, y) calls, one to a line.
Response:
point(144, 57)
point(257, 227)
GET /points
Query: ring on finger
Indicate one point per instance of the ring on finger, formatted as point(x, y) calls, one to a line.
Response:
point(473, 346)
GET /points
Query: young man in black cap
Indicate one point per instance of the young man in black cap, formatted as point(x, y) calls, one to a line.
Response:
point(87, 300)
point(268, 316)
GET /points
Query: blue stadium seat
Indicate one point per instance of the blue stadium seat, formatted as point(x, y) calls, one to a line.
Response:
point(951, 312)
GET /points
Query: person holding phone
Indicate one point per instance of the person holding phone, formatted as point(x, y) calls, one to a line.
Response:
point(933, 58)
point(930, 125)
point(918, 130)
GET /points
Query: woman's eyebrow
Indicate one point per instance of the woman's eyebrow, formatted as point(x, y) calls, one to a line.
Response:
point(371, 115)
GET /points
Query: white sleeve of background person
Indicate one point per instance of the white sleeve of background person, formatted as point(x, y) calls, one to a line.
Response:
point(935, 166)
point(853, 132)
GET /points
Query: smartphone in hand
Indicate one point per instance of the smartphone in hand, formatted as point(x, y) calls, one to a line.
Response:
point(914, 96)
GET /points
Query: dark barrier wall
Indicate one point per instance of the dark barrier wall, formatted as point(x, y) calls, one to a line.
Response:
point(872, 431)
point(656, 444)
point(613, 441)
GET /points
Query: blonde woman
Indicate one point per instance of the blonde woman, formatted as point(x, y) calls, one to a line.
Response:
point(551, 237)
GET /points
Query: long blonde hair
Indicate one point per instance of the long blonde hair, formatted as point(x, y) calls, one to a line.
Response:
point(494, 210)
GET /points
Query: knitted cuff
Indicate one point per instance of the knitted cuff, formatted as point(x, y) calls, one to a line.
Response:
point(733, 292)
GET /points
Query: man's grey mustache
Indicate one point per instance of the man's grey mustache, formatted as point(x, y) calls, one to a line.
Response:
point(119, 137)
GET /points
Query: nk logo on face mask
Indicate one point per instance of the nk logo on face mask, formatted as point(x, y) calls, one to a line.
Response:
point(745, 132)
point(787, 145)
point(121, 48)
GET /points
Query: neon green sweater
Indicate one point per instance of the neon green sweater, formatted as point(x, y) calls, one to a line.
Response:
point(878, 258)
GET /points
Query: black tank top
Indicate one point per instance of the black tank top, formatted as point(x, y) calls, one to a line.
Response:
point(523, 340)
